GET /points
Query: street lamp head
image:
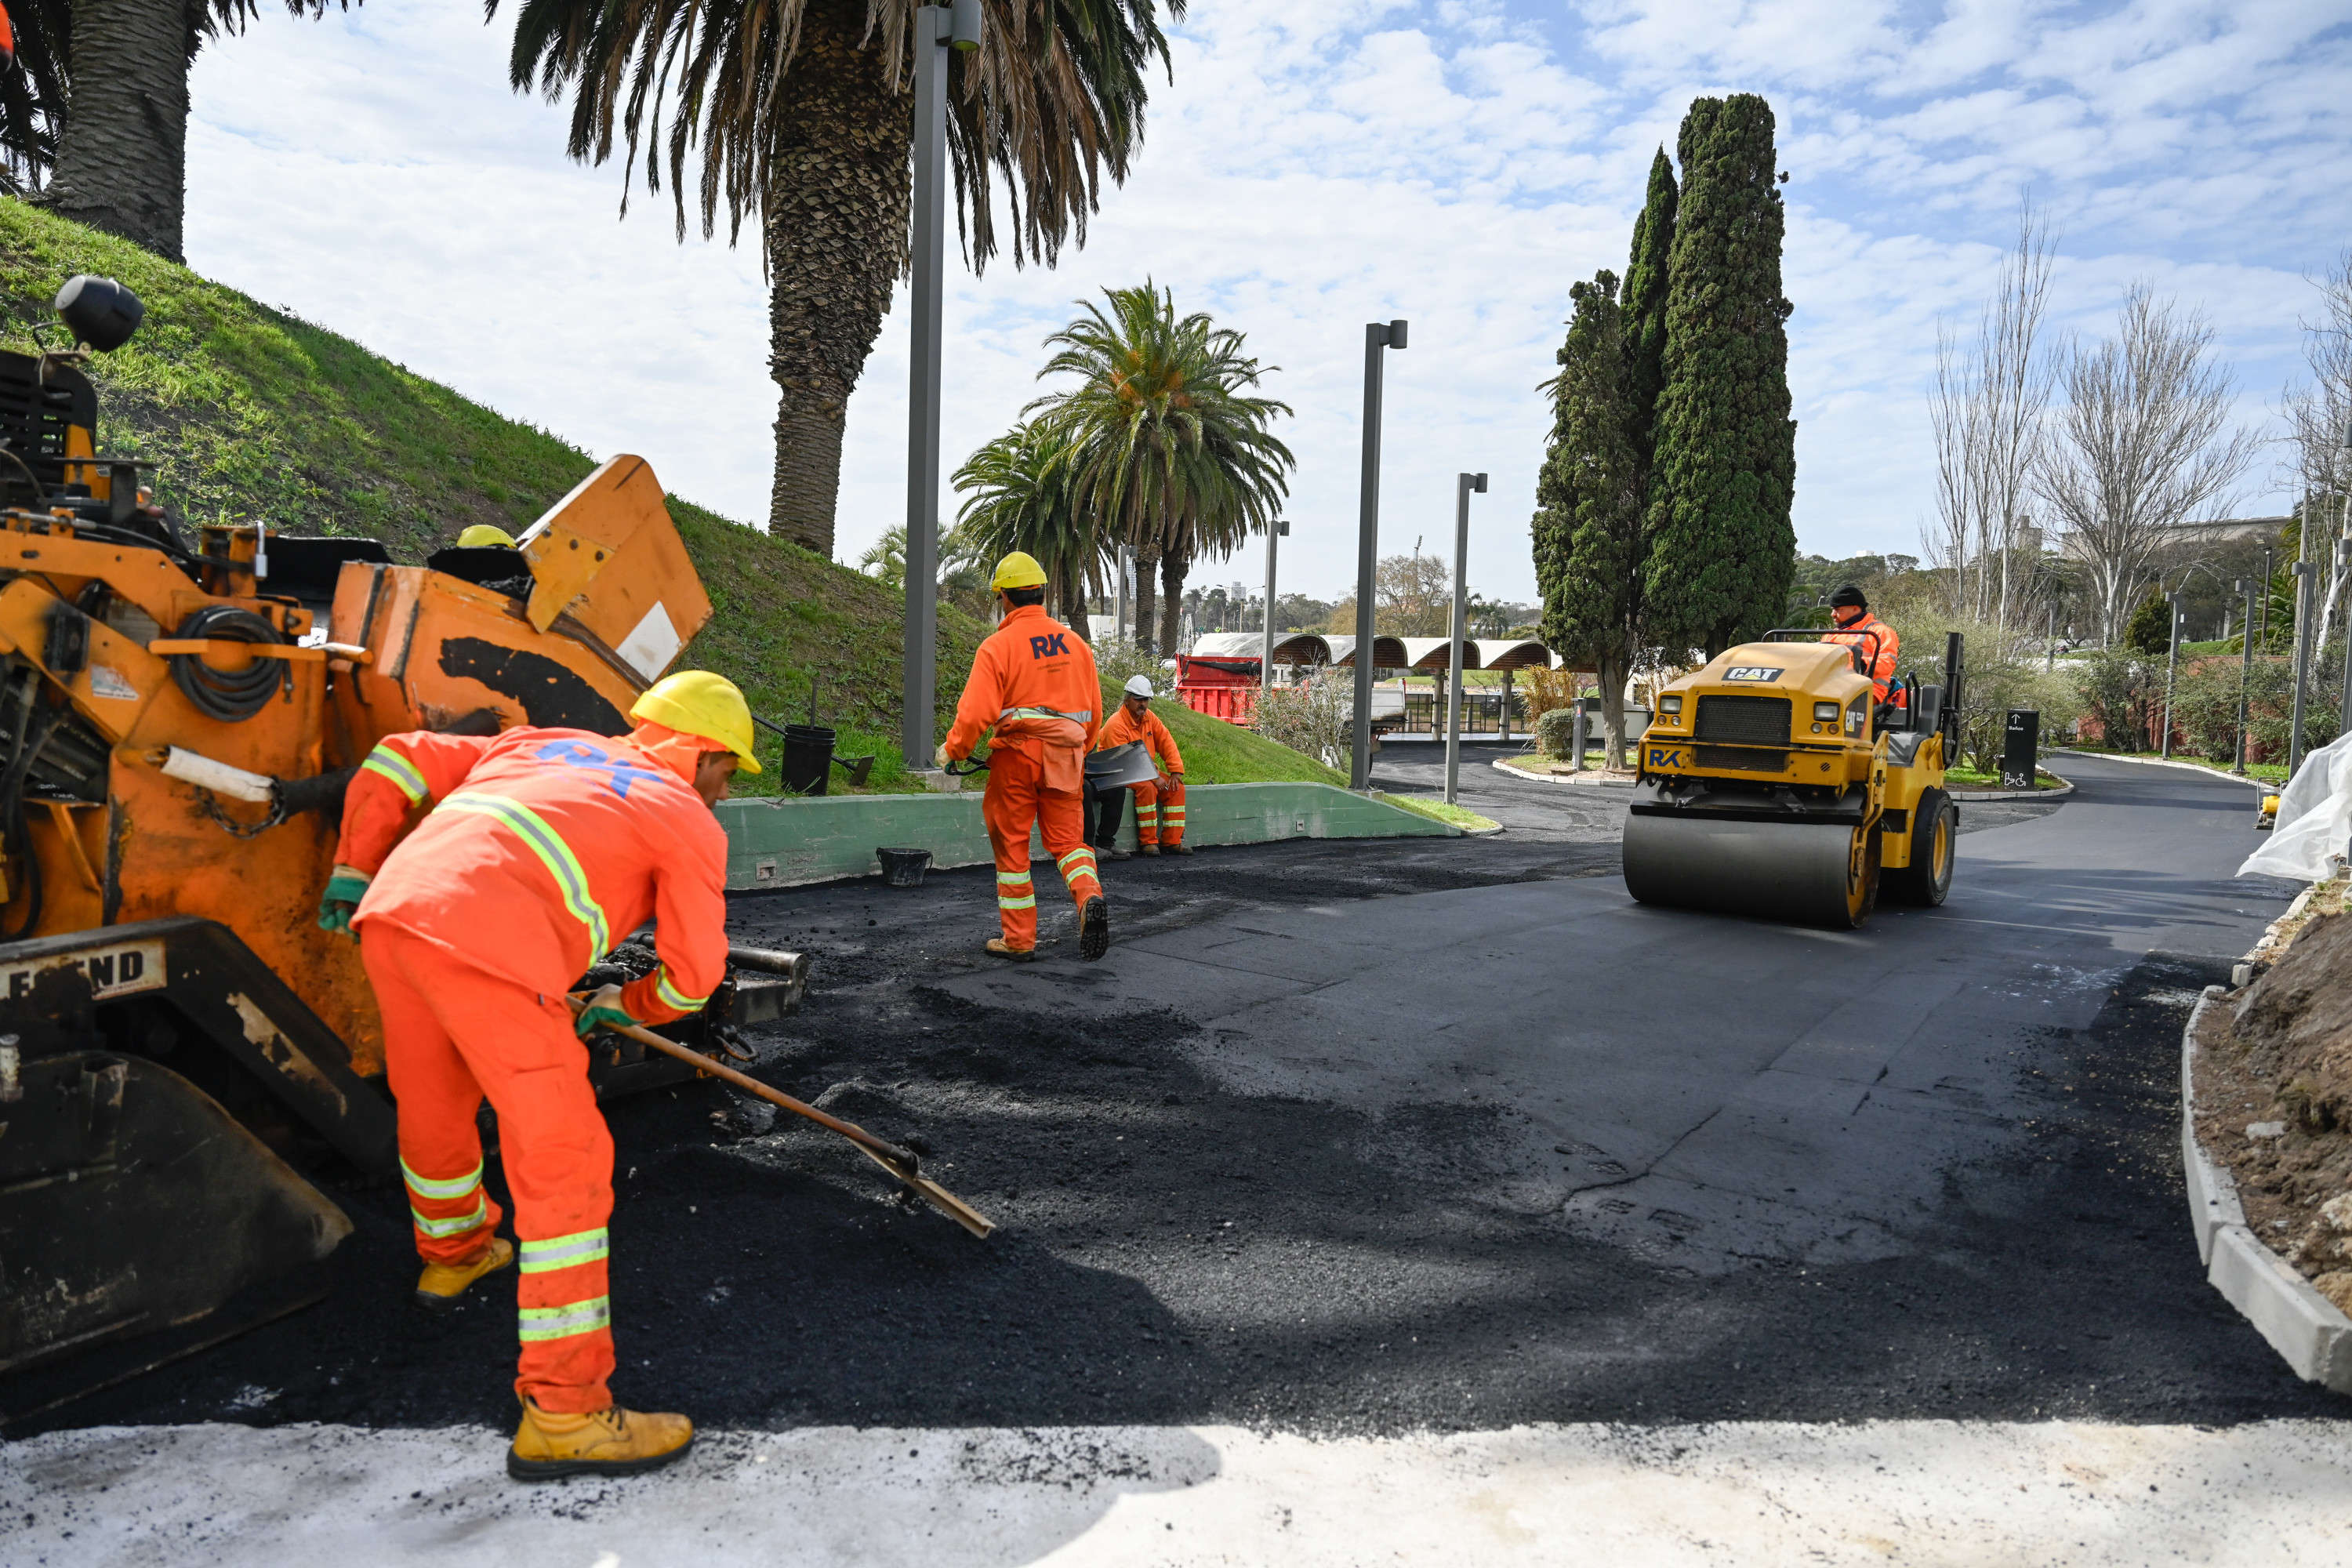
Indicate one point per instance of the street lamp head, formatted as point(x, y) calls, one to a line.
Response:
point(1282, 527)
point(963, 25)
point(1396, 334)
point(1478, 483)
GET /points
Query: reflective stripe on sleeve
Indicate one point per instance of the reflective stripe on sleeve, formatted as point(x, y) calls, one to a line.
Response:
point(544, 841)
point(561, 1323)
point(454, 1187)
point(565, 1251)
point(455, 1225)
point(672, 996)
point(386, 762)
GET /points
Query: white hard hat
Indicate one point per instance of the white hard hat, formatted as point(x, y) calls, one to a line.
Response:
point(1138, 686)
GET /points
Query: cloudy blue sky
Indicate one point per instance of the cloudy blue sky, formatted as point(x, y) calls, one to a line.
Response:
point(1314, 167)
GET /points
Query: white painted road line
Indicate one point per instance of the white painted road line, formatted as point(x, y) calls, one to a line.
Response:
point(2274, 1493)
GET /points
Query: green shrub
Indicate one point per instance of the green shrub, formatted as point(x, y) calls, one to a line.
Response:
point(1555, 732)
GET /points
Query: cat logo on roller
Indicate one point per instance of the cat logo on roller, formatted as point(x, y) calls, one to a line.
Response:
point(1801, 800)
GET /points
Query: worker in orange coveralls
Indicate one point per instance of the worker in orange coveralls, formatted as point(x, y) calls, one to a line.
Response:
point(1856, 627)
point(537, 851)
point(1159, 802)
point(1033, 683)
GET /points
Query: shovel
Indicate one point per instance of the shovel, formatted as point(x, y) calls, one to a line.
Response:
point(900, 1162)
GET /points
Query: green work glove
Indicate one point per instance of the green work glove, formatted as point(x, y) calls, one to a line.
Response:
point(336, 905)
point(940, 758)
point(603, 1008)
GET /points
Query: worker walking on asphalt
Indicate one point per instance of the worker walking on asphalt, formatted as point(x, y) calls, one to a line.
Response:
point(1159, 801)
point(537, 851)
point(1033, 683)
point(1857, 626)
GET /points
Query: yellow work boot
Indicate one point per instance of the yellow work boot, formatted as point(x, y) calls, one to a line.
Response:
point(441, 1284)
point(1003, 949)
point(614, 1442)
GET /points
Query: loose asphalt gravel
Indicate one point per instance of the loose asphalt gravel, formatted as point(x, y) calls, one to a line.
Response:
point(1351, 1137)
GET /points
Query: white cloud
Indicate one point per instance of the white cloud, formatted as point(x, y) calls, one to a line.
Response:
point(1314, 168)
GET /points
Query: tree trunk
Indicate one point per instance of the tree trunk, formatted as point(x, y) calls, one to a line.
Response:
point(1611, 675)
point(122, 158)
point(1171, 594)
point(836, 241)
point(1146, 582)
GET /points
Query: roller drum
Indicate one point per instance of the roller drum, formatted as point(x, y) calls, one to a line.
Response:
point(1823, 874)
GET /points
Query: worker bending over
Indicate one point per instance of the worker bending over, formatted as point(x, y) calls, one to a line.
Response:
point(1857, 626)
point(537, 851)
point(1033, 683)
point(1159, 801)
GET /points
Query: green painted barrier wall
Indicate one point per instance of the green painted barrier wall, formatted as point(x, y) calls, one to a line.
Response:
point(785, 843)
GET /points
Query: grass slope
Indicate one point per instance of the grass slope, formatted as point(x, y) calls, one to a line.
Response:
point(254, 414)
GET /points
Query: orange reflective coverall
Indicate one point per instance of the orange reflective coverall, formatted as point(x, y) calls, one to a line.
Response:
point(1034, 682)
point(541, 849)
point(1878, 644)
point(1158, 814)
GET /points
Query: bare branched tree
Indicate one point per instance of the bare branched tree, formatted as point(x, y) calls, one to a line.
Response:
point(2143, 442)
point(1989, 410)
point(2319, 432)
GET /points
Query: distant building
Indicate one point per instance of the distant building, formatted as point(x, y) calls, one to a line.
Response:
point(2224, 530)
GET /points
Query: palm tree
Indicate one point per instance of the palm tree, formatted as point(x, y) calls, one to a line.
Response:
point(33, 96)
point(122, 155)
point(801, 113)
point(1166, 448)
point(1019, 499)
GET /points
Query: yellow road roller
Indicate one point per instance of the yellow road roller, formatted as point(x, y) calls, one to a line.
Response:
point(1773, 783)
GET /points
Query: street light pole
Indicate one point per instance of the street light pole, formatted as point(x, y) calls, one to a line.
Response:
point(2301, 570)
point(1274, 534)
point(1464, 484)
point(2245, 668)
point(2171, 669)
point(1378, 335)
point(937, 29)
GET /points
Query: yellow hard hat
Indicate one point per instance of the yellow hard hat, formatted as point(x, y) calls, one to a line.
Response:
point(1018, 570)
point(484, 533)
point(696, 702)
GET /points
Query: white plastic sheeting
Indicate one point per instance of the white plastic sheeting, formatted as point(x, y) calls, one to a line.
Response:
point(2315, 819)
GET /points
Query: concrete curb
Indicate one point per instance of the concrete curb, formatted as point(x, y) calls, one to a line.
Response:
point(1503, 765)
point(2065, 787)
point(783, 842)
point(2303, 1326)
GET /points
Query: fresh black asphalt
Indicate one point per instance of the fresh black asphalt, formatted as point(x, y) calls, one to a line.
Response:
point(1424, 1133)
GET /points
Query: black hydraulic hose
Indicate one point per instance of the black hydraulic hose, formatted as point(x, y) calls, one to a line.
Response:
point(230, 697)
point(12, 810)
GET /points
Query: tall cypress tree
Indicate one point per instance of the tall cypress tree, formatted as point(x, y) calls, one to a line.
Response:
point(1588, 524)
point(1722, 547)
point(1645, 307)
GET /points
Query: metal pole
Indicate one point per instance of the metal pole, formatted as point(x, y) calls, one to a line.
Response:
point(2245, 668)
point(937, 29)
point(1377, 336)
point(2301, 570)
point(2344, 708)
point(2171, 669)
point(1273, 533)
point(1464, 484)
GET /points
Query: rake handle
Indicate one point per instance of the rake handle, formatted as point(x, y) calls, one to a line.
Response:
point(750, 1085)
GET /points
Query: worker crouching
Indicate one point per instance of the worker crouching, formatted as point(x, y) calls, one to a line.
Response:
point(1033, 685)
point(481, 876)
point(1159, 800)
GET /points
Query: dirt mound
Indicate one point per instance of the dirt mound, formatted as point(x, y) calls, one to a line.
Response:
point(2274, 1101)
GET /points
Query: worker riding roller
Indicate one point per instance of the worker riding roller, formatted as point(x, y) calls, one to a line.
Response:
point(1034, 691)
point(1857, 628)
point(481, 876)
point(1159, 800)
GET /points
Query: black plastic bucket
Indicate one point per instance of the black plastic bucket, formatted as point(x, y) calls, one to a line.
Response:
point(808, 758)
point(903, 868)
